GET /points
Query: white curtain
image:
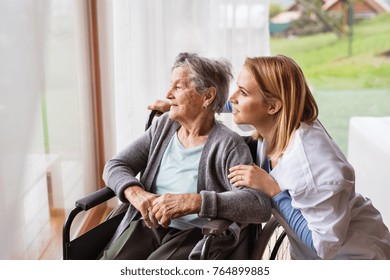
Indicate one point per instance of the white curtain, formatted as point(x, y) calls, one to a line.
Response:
point(47, 156)
point(21, 137)
point(148, 34)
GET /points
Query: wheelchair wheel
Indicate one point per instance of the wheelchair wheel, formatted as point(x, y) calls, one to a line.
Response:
point(273, 242)
point(281, 248)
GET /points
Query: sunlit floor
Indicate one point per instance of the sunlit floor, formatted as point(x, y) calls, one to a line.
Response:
point(54, 248)
point(70, 187)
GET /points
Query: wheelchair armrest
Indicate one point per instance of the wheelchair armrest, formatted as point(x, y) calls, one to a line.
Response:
point(216, 227)
point(211, 229)
point(95, 198)
point(85, 204)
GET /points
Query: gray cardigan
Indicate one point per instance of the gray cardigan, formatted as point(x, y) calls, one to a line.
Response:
point(222, 150)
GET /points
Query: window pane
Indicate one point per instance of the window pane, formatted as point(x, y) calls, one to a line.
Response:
point(67, 108)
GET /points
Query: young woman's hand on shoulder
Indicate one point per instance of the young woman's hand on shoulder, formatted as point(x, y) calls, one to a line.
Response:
point(254, 177)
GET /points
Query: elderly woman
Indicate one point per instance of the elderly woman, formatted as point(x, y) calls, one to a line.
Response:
point(184, 158)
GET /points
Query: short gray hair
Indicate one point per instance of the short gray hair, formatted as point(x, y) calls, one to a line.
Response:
point(206, 73)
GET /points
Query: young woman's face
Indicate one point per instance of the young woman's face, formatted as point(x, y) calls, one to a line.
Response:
point(248, 104)
point(186, 102)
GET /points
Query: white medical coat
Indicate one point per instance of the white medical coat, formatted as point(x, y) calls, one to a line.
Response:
point(321, 182)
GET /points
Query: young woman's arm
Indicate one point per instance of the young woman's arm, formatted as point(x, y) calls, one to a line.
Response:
point(282, 203)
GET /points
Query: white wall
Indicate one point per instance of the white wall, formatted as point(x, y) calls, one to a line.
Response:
point(369, 154)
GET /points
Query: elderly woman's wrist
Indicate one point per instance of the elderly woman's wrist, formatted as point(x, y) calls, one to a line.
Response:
point(132, 191)
point(196, 203)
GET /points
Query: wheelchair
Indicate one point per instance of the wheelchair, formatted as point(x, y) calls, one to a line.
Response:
point(268, 240)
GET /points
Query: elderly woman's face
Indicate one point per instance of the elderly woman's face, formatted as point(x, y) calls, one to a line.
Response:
point(186, 102)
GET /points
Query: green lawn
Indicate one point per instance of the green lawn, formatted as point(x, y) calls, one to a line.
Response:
point(337, 107)
point(326, 63)
point(343, 85)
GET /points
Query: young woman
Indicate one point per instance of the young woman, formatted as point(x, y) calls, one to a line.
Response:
point(310, 182)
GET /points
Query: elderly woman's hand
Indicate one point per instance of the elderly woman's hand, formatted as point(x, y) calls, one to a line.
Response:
point(172, 206)
point(142, 201)
point(254, 177)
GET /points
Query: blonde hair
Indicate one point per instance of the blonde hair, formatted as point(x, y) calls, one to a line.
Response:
point(280, 78)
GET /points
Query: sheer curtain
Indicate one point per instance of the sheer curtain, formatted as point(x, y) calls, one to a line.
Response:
point(47, 157)
point(21, 138)
point(148, 34)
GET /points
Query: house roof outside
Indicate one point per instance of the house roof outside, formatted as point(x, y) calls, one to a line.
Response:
point(363, 8)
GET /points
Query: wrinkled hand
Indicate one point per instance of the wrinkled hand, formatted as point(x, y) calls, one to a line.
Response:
point(254, 177)
point(142, 201)
point(172, 206)
point(161, 106)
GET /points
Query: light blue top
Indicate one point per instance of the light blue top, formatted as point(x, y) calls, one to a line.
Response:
point(178, 174)
point(282, 202)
